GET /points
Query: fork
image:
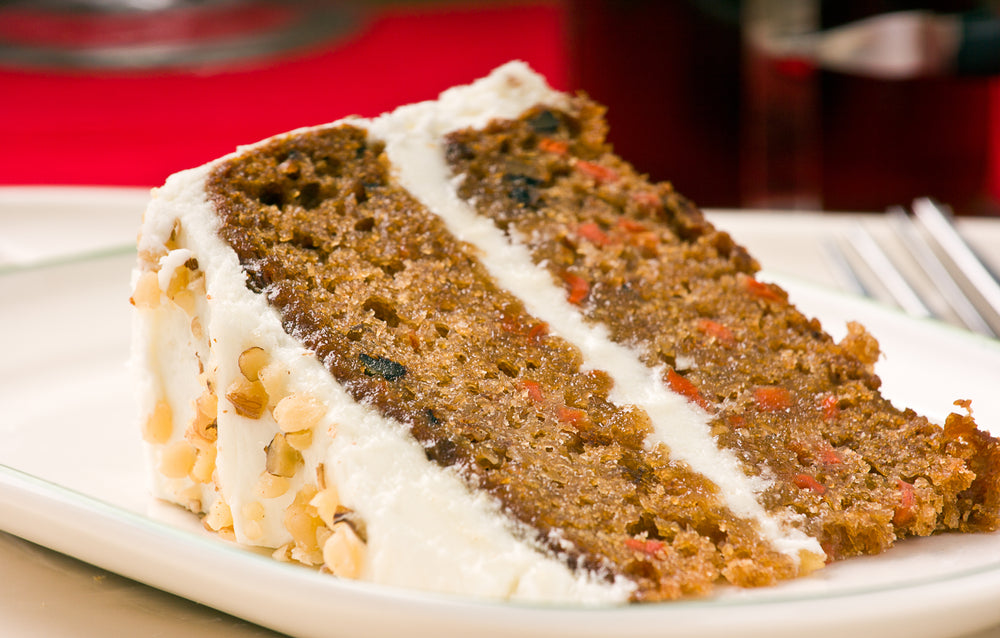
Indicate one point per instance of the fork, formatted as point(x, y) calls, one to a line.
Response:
point(924, 267)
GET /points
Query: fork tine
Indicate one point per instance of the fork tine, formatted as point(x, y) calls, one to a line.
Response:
point(844, 271)
point(922, 253)
point(896, 285)
point(966, 262)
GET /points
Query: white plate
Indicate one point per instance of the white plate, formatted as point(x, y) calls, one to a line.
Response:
point(71, 478)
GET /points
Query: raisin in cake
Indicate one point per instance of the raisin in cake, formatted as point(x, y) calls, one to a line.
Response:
point(464, 347)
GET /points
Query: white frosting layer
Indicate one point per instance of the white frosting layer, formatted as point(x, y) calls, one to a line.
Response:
point(425, 528)
point(414, 135)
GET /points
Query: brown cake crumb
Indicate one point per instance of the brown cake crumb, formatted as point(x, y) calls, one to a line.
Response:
point(409, 321)
point(640, 259)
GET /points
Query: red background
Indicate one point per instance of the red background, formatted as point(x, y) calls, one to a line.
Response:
point(137, 127)
point(670, 75)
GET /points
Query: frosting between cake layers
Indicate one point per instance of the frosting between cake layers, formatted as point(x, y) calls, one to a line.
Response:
point(425, 528)
point(413, 137)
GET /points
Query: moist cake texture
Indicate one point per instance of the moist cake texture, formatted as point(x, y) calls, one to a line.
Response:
point(464, 347)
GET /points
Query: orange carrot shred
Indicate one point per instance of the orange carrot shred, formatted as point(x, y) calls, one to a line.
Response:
point(772, 398)
point(685, 388)
point(906, 511)
point(717, 330)
point(630, 225)
point(761, 290)
point(831, 456)
point(578, 288)
point(645, 545)
point(537, 331)
point(808, 482)
point(830, 408)
point(533, 389)
point(550, 145)
point(573, 416)
point(593, 233)
point(647, 199)
point(600, 173)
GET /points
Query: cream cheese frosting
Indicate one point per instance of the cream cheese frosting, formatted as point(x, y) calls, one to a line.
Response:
point(423, 526)
point(413, 137)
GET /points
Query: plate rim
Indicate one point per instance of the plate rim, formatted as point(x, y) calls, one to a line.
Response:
point(687, 616)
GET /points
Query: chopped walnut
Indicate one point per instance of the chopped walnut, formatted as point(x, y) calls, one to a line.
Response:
point(302, 525)
point(251, 362)
point(150, 258)
point(343, 552)
point(185, 300)
point(271, 486)
point(204, 425)
point(283, 553)
point(298, 412)
point(300, 440)
point(159, 426)
point(147, 291)
point(253, 511)
point(326, 503)
point(248, 397)
point(274, 376)
point(207, 404)
point(174, 238)
point(282, 459)
point(179, 280)
point(219, 516)
point(190, 497)
point(204, 465)
point(306, 527)
point(178, 459)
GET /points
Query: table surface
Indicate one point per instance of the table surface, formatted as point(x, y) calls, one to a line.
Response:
point(45, 594)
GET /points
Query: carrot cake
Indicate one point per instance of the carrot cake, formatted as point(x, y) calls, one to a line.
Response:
point(463, 347)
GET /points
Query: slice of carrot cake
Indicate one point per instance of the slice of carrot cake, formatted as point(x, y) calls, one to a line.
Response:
point(463, 347)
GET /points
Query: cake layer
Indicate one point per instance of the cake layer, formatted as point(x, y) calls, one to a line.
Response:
point(464, 347)
point(643, 261)
point(408, 320)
